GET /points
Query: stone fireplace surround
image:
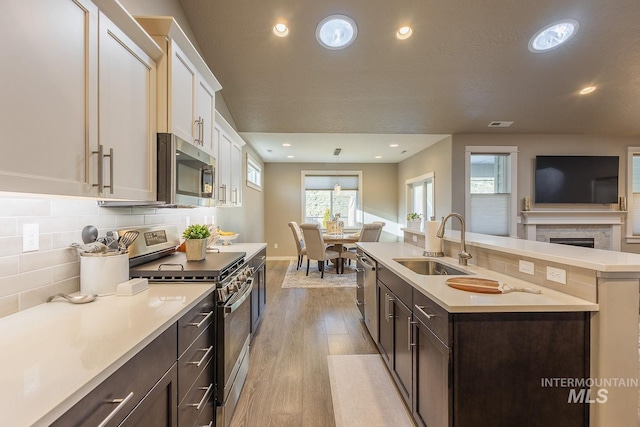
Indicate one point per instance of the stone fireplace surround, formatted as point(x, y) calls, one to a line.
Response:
point(605, 227)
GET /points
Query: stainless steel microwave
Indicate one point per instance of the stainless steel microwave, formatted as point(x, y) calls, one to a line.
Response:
point(186, 174)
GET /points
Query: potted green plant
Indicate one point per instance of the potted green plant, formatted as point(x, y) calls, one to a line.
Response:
point(414, 220)
point(196, 241)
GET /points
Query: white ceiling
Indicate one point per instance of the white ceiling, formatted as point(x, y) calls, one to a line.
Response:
point(467, 64)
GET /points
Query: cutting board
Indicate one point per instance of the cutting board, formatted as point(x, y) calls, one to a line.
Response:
point(475, 284)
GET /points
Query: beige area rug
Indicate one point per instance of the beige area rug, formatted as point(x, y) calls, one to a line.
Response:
point(298, 278)
point(363, 393)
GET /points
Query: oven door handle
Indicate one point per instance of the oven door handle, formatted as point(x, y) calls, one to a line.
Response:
point(237, 302)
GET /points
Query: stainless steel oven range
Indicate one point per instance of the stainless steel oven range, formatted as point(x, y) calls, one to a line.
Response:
point(154, 257)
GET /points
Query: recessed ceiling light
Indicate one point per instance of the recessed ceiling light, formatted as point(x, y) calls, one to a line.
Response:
point(378, 157)
point(289, 157)
point(336, 32)
point(552, 36)
point(286, 144)
point(393, 145)
point(280, 29)
point(404, 33)
point(587, 90)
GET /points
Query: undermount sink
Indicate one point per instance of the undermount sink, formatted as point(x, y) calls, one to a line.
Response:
point(429, 267)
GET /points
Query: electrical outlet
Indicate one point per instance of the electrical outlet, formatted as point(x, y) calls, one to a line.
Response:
point(557, 275)
point(30, 237)
point(415, 238)
point(526, 267)
point(275, 246)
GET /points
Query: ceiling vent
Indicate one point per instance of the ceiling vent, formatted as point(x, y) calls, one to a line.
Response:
point(500, 124)
point(337, 151)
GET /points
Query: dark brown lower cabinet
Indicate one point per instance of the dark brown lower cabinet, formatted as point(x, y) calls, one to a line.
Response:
point(158, 407)
point(481, 369)
point(431, 391)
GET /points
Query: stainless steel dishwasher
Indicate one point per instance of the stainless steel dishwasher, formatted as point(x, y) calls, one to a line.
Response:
point(366, 292)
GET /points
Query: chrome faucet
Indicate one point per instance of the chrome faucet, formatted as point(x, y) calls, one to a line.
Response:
point(463, 255)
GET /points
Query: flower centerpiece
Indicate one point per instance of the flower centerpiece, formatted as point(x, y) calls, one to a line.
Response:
point(196, 237)
point(414, 220)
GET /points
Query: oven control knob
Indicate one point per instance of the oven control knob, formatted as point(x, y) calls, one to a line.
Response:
point(242, 278)
point(249, 271)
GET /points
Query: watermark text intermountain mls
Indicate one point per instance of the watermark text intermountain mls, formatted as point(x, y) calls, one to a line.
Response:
point(588, 390)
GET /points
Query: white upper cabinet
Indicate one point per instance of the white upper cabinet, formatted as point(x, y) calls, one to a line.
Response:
point(186, 86)
point(127, 120)
point(49, 86)
point(227, 145)
point(60, 108)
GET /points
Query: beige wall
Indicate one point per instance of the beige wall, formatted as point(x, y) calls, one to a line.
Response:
point(531, 145)
point(283, 199)
point(436, 159)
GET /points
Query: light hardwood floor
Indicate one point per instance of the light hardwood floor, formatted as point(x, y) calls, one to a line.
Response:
point(288, 381)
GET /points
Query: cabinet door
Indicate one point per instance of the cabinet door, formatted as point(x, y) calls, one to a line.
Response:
point(236, 175)
point(223, 166)
point(385, 324)
point(431, 396)
point(49, 89)
point(402, 349)
point(158, 406)
point(205, 115)
point(183, 78)
point(127, 115)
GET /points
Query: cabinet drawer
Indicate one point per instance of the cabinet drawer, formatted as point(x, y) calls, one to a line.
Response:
point(259, 259)
point(432, 316)
point(194, 360)
point(197, 400)
point(130, 383)
point(191, 325)
point(399, 287)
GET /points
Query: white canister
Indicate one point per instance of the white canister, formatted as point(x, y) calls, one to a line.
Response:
point(100, 274)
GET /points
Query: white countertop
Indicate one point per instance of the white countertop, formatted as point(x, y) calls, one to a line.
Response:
point(54, 354)
point(457, 301)
point(594, 259)
point(251, 249)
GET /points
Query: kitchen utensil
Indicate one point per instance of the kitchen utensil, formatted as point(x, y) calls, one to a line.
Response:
point(100, 274)
point(90, 248)
point(89, 234)
point(486, 286)
point(75, 299)
point(128, 238)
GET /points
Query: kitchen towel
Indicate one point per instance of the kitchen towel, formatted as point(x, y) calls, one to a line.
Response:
point(432, 243)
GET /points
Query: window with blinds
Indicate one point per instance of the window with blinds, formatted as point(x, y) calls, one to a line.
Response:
point(491, 203)
point(328, 193)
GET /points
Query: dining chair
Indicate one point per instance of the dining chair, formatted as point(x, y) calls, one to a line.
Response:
point(369, 233)
point(299, 238)
point(316, 247)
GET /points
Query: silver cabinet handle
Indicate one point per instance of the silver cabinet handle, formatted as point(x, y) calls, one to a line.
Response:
point(223, 195)
point(110, 156)
point(206, 316)
point(100, 183)
point(409, 343)
point(101, 157)
point(389, 315)
point(359, 303)
point(121, 403)
point(208, 425)
point(234, 198)
point(204, 399)
point(424, 313)
point(199, 129)
point(201, 361)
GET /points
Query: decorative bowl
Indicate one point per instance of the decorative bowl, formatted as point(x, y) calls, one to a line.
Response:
point(226, 240)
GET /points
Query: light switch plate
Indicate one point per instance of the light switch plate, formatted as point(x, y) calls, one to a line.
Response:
point(30, 237)
point(526, 267)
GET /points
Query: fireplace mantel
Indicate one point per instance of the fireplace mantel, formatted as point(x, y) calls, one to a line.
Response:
point(608, 218)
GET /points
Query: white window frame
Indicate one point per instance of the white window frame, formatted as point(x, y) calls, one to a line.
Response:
point(409, 183)
point(304, 173)
point(253, 163)
point(629, 236)
point(512, 151)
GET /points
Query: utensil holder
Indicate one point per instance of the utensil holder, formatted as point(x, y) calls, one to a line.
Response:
point(100, 274)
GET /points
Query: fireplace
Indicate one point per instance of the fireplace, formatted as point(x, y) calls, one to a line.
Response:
point(583, 242)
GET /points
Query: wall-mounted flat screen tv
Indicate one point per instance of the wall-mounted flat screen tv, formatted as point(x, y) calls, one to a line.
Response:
point(576, 179)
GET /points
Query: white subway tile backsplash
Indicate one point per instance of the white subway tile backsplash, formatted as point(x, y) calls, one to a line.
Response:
point(27, 279)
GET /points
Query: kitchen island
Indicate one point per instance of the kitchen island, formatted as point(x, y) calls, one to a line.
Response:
point(607, 282)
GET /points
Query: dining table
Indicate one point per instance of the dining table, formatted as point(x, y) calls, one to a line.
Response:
point(338, 240)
